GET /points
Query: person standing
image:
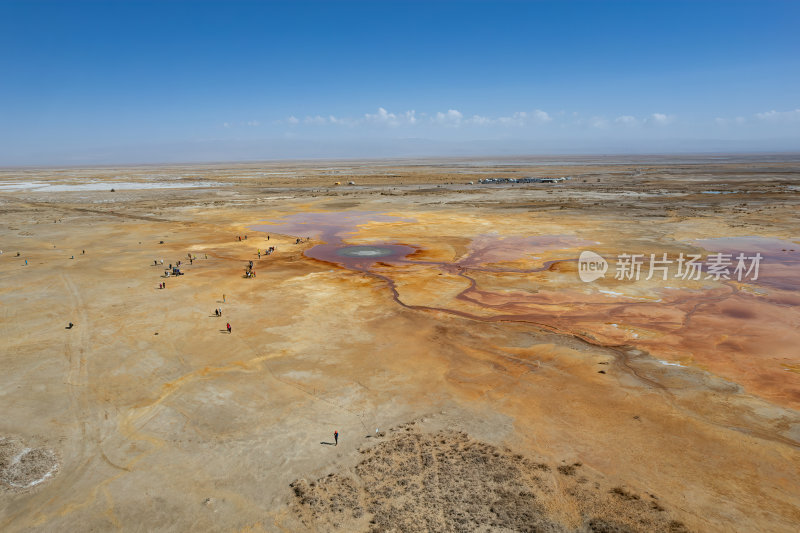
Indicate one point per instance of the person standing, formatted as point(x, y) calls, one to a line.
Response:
point(336, 437)
point(228, 325)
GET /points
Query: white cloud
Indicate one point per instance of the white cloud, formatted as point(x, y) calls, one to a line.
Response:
point(315, 120)
point(253, 123)
point(451, 118)
point(381, 116)
point(772, 117)
point(519, 118)
point(523, 118)
point(226, 125)
point(627, 120)
point(541, 116)
point(479, 120)
point(454, 118)
point(660, 119)
point(392, 119)
point(779, 116)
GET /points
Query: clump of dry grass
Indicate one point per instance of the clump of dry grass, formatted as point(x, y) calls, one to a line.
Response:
point(446, 481)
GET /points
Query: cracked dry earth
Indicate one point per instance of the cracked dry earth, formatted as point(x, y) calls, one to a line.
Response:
point(447, 481)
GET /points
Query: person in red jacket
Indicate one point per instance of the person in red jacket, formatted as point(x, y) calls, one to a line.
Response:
point(336, 437)
point(229, 327)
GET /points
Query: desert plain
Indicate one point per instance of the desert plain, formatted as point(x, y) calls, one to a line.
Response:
point(438, 323)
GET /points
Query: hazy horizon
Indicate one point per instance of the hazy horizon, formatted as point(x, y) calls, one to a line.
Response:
point(606, 158)
point(209, 152)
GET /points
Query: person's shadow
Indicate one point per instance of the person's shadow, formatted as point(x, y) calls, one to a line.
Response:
point(328, 443)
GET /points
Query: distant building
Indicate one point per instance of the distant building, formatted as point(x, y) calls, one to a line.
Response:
point(522, 180)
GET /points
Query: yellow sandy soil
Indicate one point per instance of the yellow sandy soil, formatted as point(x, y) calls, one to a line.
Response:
point(161, 420)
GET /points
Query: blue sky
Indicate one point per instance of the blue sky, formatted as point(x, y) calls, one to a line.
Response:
point(126, 82)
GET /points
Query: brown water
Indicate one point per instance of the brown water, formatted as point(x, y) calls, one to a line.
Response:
point(333, 228)
point(360, 257)
point(485, 250)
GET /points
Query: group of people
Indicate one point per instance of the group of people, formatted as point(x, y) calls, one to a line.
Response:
point(171, 270)
point(249, 272)
point(268, 251)
point(218, 311)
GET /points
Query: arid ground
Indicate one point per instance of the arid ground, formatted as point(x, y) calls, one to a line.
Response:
point(438, 323)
